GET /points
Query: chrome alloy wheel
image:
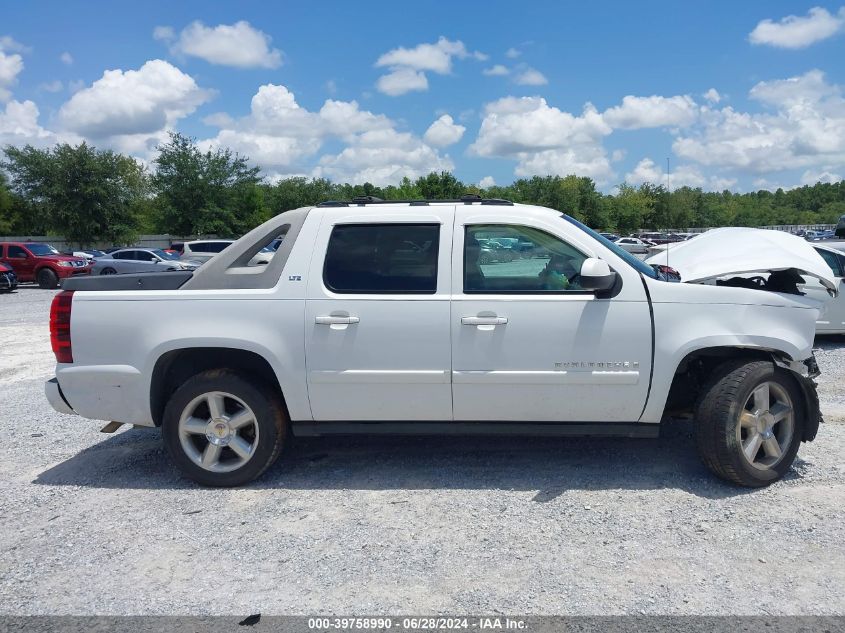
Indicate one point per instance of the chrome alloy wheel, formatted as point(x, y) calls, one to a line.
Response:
point(766, 425)
point(218, 432)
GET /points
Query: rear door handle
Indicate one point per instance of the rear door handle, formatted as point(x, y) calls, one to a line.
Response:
point(336, 320)
point(476, 320)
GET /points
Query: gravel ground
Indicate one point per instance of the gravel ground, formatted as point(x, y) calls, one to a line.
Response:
point(91, 523)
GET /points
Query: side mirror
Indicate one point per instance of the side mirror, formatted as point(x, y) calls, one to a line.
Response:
point(596, 275)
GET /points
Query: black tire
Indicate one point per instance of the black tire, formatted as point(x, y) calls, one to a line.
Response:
point(270, 418)
point(47, 279)
point(718, 432)
point(108, 271)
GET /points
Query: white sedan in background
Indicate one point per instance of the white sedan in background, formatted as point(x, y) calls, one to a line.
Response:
point(832, 318)
point(634, 245)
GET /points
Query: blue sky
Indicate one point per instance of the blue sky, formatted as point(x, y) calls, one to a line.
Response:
point(740, 95)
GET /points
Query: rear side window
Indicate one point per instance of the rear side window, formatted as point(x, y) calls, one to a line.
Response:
point(382, 259)
point(16, 252)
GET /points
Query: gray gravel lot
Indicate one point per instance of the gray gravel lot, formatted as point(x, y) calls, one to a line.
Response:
point(92, 523)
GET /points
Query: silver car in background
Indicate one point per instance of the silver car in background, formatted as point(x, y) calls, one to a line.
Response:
point(140, 260)
point(203, 250)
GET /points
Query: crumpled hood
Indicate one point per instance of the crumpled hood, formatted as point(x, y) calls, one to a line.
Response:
point(737, 251)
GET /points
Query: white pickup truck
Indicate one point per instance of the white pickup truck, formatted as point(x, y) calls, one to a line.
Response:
point(462, 317)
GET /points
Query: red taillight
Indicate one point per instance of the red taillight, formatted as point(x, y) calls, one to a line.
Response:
point(60, 326)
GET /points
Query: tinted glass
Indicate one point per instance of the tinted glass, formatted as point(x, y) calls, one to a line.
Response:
point(42, 249)
point(163, 255)
point(16, 252)
point(833, 260)
point(638, 264)
point(382, 259)
point(142, 256)
point(519, 259)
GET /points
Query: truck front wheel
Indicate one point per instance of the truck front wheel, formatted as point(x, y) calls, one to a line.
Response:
point(223, 429)
point(749, 423)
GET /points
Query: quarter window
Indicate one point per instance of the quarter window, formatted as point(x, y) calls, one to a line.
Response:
point(519, 259)
point(382, 259)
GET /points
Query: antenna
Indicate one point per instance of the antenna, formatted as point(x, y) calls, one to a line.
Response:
point(668, 217)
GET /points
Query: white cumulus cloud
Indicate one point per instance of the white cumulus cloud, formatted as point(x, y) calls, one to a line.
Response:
point(283, 137)
point(401, 81)
point(383, 157)
point(132, 110)
point(802, 126)
point(11, 65)
point(712, 96)
point(654, 111)
point(798, 32)
point(19, 126)
point(407, 66)
point(544, 139)
point(239, 45)
point(444, 131)
point(498, 70)
point(487, 182)
point(531, 77)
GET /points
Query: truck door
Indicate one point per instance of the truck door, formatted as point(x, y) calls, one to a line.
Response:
point(22, 261)
point(528, 344)
point(377, 316)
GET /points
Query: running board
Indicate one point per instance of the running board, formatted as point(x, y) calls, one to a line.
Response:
point(577, 429)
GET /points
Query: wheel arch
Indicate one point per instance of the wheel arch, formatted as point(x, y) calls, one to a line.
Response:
point(697, 366)
point(173, 367)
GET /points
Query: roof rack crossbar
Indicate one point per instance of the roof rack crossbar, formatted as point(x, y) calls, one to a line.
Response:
point(365, 200)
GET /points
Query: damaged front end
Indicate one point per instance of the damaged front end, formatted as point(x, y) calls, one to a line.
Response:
point(804, 372)
point(757, 259)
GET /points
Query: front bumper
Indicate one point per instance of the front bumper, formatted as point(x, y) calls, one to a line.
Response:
point(55, 397)
point(8, 281)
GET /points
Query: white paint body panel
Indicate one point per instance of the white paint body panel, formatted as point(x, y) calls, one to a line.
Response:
point(559, 358)
point(394, 363)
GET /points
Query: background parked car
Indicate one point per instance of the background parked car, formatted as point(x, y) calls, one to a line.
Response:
point(840, 227)
point(633, 245)
point(8, 279)
point(203, 250)
point(88, 254)
point(36, 261)
point(140, 260)
point(832, 317)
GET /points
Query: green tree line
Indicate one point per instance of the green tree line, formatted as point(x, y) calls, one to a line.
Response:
point(90, 195)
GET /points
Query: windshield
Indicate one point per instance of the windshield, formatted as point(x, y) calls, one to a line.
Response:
point(165, 254)
point(640, 265)
point(42, 249)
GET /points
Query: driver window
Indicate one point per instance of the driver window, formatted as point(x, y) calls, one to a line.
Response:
point(500, 258)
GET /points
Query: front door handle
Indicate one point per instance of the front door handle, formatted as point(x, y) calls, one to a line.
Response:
point(336, 320)
point(484, 320)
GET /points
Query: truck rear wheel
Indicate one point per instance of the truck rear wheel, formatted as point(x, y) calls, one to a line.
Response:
point(223, 429)
point(749, 423)
point(47, 279)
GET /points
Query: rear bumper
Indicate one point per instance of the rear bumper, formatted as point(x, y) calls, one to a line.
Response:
point(106, 392)
point(55, 397)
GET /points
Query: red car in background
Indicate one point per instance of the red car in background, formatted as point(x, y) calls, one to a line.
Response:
point(35, 261)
